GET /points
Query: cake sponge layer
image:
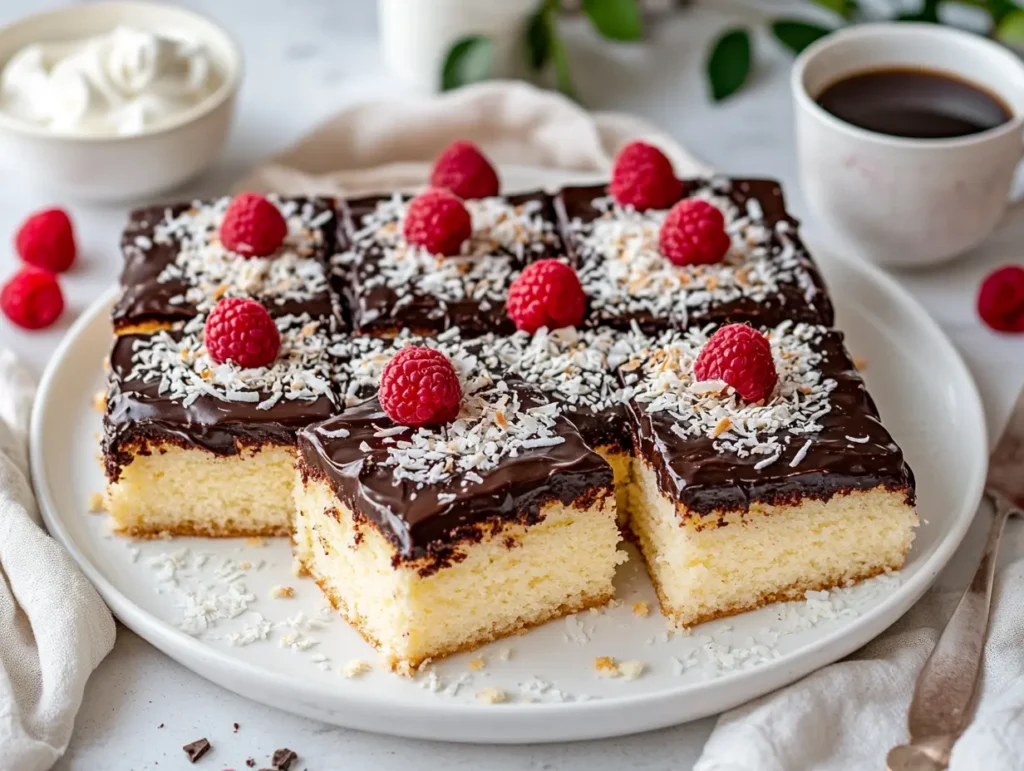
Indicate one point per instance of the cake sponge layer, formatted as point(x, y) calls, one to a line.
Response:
point(621, 463)
point(514, 577)
point(721, 564)
point(178, 491)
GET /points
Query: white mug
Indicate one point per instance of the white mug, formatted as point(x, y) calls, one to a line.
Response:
point(900, 201)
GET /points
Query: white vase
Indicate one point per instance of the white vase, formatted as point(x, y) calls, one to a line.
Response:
point(416, 35)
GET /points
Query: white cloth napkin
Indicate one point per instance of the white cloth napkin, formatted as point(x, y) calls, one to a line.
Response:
point(844, 717)
point(54, 628)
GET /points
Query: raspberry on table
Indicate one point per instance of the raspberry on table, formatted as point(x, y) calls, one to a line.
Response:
point(546, 294)
point(438, 221)
point(693, 233)
point(420, 387)
point(643, 178)
point(463, 169)
point(253, 226)
point(1001, 299)
point(46, 239)
point(742, 357)
point(241, 331)
point(32, 298)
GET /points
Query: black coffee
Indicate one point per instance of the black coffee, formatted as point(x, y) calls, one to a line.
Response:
point(914, 103)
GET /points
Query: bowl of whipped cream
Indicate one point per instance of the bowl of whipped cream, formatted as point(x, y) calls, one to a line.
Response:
point(114, 101)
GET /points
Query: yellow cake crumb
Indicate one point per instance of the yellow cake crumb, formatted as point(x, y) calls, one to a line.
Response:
point(280, 592)
point(355, 668)
point(492, 696)
point(99, 401)
point(477, 664)
point(641, 609)
point(97, 503)
point(860, 362)
point(244, 565)
point(255, 542)
point(605, 666)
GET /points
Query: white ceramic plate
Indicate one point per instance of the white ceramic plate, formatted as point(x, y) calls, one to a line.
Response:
point(925, 395)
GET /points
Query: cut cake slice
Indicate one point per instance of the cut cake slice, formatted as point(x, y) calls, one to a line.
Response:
point(736, 505)
point(436, 540)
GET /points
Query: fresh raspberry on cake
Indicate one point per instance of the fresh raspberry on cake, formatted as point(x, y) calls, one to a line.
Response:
point(1001, 299)
point(546, 294)
point(438, 221)
point(742, 357)
point(253, 226)
point(241, 331)
point(420, 387)
point(693, 233)
point(643, 178)
point(47, 240)
point(465, 171)
point(32, 298)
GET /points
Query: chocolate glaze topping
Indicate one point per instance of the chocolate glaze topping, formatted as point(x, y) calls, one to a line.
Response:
point(852, 451)
point(151, 247)
point(429, 521)
point(384, 296)
point(778, 255)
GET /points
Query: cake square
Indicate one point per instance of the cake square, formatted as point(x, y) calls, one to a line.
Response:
point(436, 540)
point(389, 286)
point(766, 278)
point(736, 505)
point(176, 268)
point(191, 447)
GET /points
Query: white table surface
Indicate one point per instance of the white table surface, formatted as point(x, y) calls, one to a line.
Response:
point(305, 59)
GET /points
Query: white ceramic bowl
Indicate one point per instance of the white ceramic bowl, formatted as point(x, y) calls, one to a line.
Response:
point(120, 168)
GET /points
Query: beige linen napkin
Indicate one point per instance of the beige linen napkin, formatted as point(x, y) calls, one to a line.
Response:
point(54, 628)
point(841, 718)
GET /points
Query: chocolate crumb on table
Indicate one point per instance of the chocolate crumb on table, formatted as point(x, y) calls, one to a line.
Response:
point(195, 750)
point(234, 727)
point(283, 758)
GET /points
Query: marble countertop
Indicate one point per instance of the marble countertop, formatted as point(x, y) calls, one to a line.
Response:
point(306, 59)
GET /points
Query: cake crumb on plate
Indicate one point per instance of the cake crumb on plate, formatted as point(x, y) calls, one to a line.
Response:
point(492, 696)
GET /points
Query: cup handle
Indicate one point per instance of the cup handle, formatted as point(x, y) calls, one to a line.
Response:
point(1014, 205)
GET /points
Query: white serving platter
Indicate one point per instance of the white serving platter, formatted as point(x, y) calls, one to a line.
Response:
point(926, 398)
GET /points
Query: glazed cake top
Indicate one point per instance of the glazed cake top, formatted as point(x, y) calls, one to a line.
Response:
point(391, 284)
point(507, 453)
point(165, 387)
point(819, 434)
point(766, 277)
point(175, 266)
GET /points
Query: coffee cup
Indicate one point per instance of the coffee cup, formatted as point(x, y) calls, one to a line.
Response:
point(907, 201)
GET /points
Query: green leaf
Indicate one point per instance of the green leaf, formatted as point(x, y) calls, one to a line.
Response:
point(844, 8)
point(538, 39)
point(563, 78)
point(615, 19)
point(729, 63)
point(797, 35)
point(1011, 28)
point(468, 61)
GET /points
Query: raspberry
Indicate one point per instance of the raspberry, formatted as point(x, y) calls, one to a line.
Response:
point(253, 226)
point(419, 387)
point(465, 171)
point(47, 240)
point(437, 221)
point(693, 233)
point(32, 298)
point(643, 178)
point(241, 331)
point(546, 294)
point(1001, 299)
point(742, 357)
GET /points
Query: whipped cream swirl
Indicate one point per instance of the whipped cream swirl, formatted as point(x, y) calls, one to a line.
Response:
point(119, 83)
